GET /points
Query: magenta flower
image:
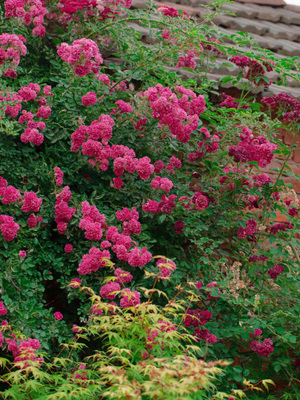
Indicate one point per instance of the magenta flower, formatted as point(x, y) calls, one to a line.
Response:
point(58, 315)
point(3, 310)
point(68, 248)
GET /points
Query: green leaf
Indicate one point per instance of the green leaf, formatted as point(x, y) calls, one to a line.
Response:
point(277, 367)
point(226, 79)
point(162, 218)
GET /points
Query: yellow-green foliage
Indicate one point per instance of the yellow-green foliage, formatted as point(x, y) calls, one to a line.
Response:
point(131, 364)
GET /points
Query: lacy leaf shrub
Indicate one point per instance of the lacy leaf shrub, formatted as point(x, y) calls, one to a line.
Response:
point(141, 353)
point(139, 183)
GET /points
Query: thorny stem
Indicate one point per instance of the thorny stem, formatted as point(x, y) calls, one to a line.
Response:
point(295, 252)
point(285, 162)
point(11, 280)
point(73, 95)
point(278, 177)
point(243, 96)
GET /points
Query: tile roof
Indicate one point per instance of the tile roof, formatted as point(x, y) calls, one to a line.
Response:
point(273, 3)
point(272, 24)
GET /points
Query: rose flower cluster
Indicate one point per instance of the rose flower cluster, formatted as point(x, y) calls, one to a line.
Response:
point(11, 48)
point(179, 111)
point(28, 11)
point(83, 54)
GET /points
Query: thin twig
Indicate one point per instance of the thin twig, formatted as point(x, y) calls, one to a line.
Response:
point(10, 278)
point(295, 252)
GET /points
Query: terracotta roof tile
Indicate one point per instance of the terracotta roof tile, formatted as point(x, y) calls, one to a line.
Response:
point(290, 17)
point(267, 13)
point(273, 24)
point(242, 24)
point(273, 3)
point(292, 8)
point(245, 11)
point(282, 31)
point(288, 48)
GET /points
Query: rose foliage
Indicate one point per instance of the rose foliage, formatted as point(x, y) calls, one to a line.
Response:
point(146, 230)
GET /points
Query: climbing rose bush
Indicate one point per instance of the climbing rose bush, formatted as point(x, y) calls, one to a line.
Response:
point(142, 211)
